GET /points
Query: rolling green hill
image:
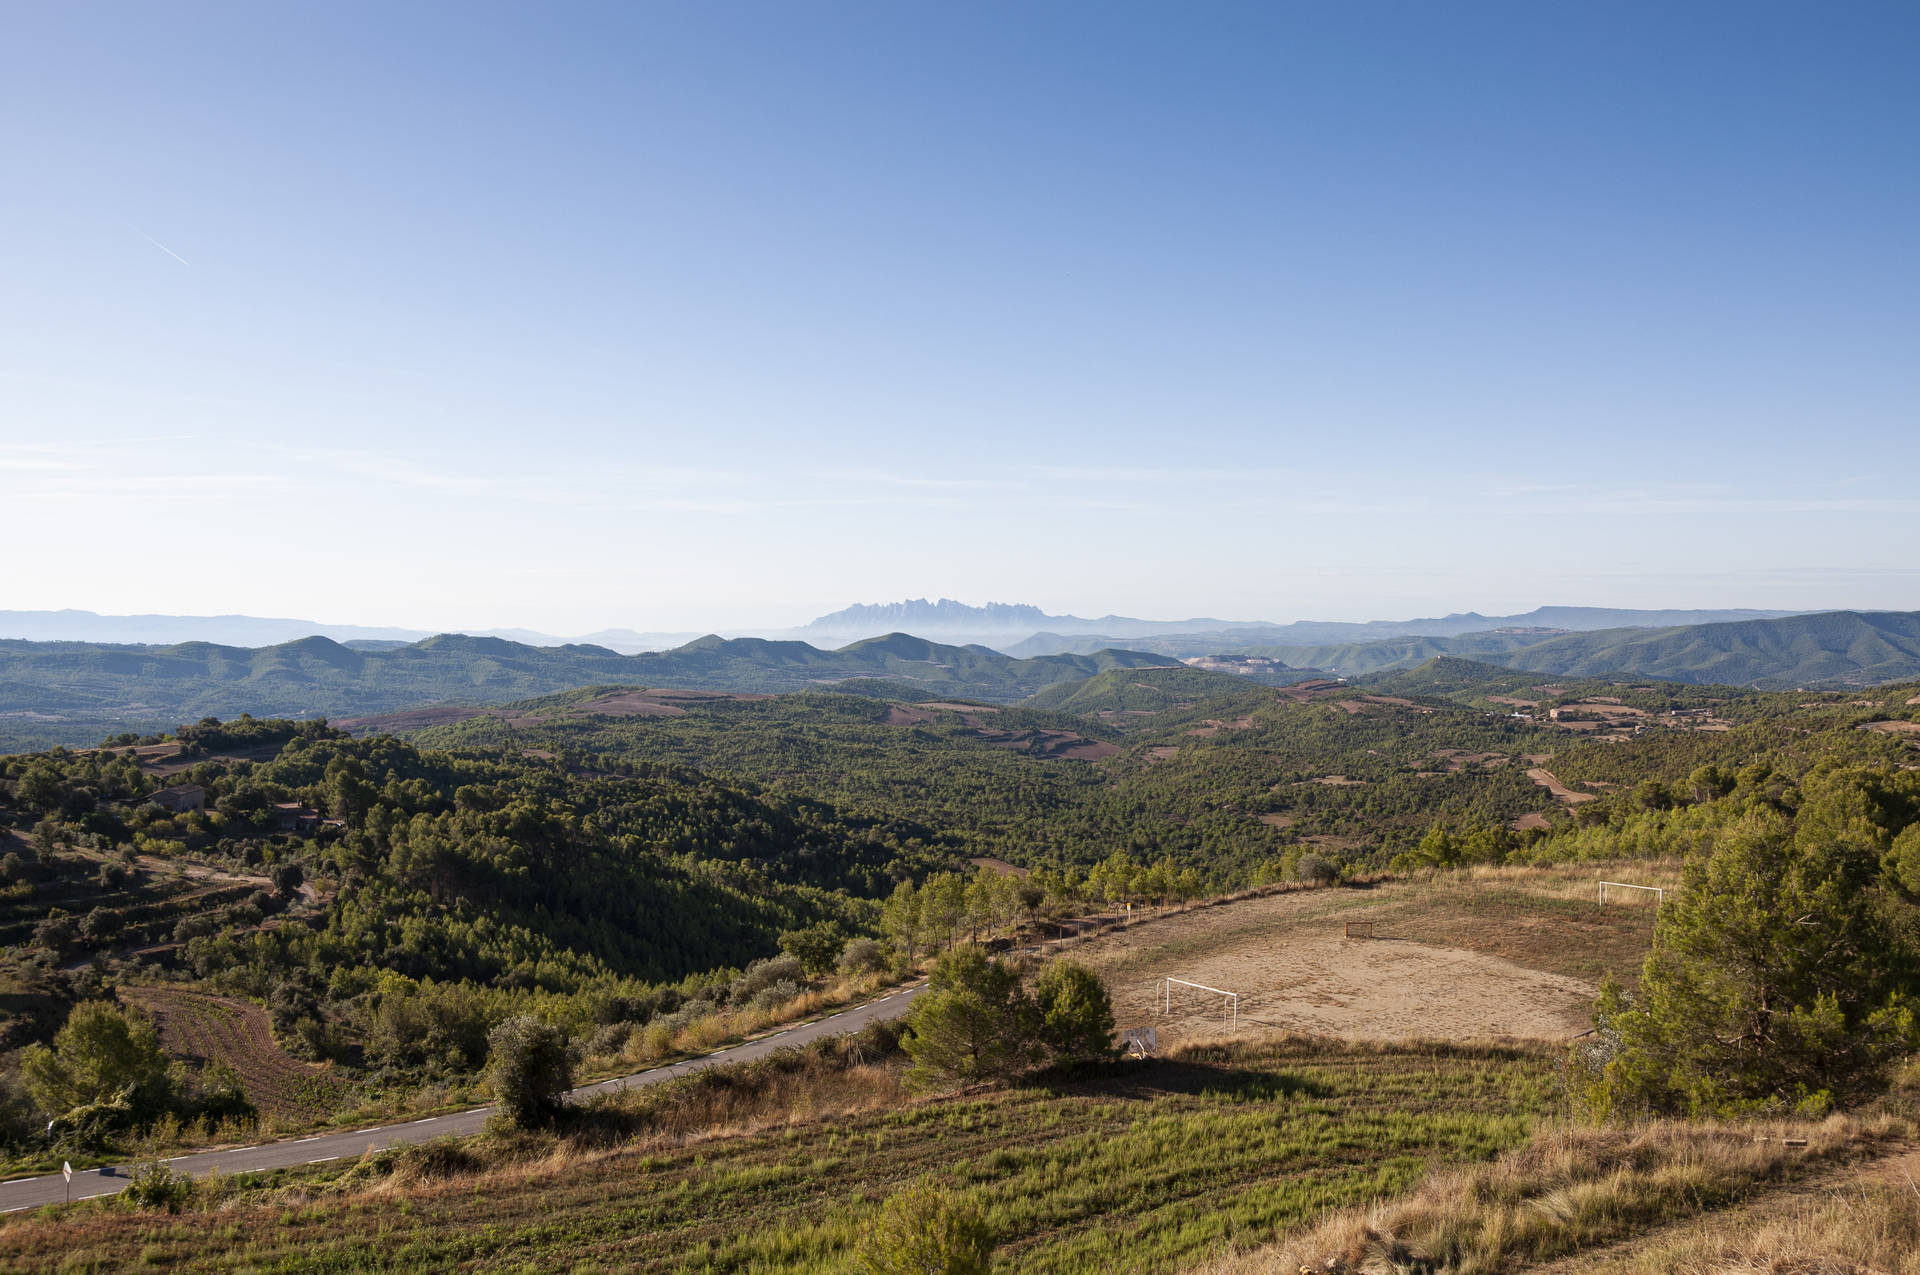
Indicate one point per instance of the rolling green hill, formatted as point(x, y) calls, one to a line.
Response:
point(1138, 691)
point(77, 693)
point(1833, 649)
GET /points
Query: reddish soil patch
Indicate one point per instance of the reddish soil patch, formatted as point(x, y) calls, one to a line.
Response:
point(1459, 759)
point(652, 703)
point(1894, 728)
point(1278, 821)
point(1513, 700)
point(1546, 780)
point(1338, 781)
point(1913, 701)
point(413, 719)
point(899, 716)
point(1536, 759)
point(1165, 752)
point(1551, 690)
point(203, 1028)
point(958, 708)
point(1001, 866)
point(1302, 691)
point(1530, 821)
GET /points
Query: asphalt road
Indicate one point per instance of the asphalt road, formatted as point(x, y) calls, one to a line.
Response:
point(28, 1193)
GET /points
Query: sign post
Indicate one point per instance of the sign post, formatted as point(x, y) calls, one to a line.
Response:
point(66, 1171)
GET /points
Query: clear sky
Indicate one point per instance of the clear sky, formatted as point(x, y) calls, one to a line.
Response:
point(698, 315)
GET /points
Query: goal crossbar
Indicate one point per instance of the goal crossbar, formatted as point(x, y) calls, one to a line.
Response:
point(1659, 893)
point(1233, 998)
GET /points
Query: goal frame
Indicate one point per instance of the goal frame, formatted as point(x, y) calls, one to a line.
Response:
point(1659, 892)
point(1166, 989)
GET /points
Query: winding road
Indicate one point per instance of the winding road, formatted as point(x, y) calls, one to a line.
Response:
point(28, 1193)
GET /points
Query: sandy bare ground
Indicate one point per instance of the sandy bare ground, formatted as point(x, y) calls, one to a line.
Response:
point(1894, 728)
point(1288, 958)
point(1530, 821)
point(1546, 780)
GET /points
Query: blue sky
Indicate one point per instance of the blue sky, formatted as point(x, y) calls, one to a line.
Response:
point(717, 315)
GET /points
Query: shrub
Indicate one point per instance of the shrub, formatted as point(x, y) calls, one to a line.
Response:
point(816, 948)
point(530, 1068)
point(758, 977)
point(922, 1231)
point(155, 1186)
point(775, 995)
point(863, 956)
point(1317, 869)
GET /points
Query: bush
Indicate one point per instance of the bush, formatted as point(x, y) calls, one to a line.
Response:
point(863, 956)
point(922, 1231)
point(155, 1186)
point(530, 1068)
point(759, 976)
point(1317, 869)
point(775, 995)
point(816, 947)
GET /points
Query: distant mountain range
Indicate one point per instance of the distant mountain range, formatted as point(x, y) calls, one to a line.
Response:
point(254, 631)
point(997, 620)
point(1834, 649)
point(78, 692)
point(1196, 638)
point(1017, 629)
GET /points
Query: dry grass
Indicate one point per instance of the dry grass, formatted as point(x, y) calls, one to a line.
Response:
point(1570, 1191)
point(1863, 1228)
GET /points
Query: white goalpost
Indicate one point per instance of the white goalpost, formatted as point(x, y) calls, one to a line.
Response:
point(1166, 1000)
point(1659, 894)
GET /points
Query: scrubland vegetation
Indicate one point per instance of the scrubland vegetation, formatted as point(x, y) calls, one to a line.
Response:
point(351, 928)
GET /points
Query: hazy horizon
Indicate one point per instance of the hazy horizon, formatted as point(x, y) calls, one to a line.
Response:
point(680, 317)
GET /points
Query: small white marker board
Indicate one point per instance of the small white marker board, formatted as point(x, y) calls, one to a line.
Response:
point(66, 1170)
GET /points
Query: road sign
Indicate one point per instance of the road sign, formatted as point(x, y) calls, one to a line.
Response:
point(66, 1170)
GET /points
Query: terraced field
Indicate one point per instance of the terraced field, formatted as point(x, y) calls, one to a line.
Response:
point(1147, 1168)
point(204, 1028)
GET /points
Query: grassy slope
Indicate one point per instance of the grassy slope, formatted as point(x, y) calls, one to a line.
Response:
point(1150, 1167)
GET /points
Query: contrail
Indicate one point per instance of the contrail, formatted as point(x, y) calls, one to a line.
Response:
point(162, 247)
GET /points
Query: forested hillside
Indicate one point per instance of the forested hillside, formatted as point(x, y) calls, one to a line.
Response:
point(76, 693)
point(1832, 649)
